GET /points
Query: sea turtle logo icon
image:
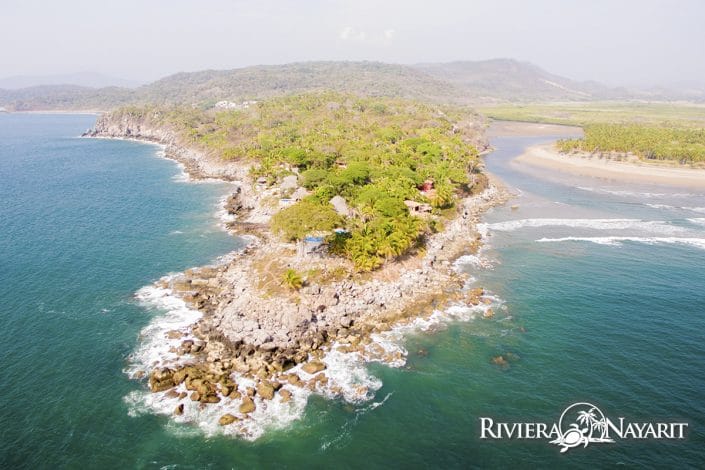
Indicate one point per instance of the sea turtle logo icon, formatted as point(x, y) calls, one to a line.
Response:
point(581, 424)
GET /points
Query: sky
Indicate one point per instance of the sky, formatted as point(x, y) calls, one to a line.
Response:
point(618, 42)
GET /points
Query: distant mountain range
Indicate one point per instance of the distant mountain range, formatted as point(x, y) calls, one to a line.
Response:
point(511, 80)
point(84, 79)
point(465, 83)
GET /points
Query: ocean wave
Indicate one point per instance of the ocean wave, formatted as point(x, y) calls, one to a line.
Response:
point(184, 177)
point(618, 241)
point(661, 206)
point(700, 210)
point(697, 221)
point(156, 348)
point(343, 436)
point(640, 194)
point(391, 342)
point(347, 373)
point(476, 261)
point(222, 214)
point(655, 226)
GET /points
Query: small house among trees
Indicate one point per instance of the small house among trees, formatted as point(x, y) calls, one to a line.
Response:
point(426, 186)
point(312, 245)
point(418, 208)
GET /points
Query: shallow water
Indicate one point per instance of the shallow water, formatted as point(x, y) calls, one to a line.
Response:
point(609, 311)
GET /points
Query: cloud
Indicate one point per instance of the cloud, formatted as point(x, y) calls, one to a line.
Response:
point(349, 33)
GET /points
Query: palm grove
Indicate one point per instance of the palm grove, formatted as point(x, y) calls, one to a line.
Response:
point(374, 152)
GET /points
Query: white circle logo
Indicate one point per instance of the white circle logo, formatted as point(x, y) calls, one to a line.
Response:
point(581, 424)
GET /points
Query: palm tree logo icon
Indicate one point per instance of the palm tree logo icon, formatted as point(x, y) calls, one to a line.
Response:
point(581, 423)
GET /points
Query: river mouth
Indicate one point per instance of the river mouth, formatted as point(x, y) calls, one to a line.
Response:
point(565, 251)
point(607, 309)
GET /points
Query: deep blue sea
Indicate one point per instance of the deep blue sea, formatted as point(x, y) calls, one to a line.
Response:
point(600, 292)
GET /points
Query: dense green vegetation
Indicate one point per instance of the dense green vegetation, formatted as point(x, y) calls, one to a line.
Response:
point(375, 153)
point(650, 142)
point(662, 131)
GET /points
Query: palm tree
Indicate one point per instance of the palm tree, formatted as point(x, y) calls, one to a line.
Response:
point(293, 279)
point(587, 417)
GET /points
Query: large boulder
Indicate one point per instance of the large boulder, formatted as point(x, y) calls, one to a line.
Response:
point(265, 389)
point(227, 419)
point(285, 394)
point(294, 380)
point(247, 405)
point(289, 182)
point(299, 194)
point(181, 286)
point(161, 379)
point(340, 206)
point(313, 367)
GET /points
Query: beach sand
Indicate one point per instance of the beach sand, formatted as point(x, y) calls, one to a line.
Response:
point(546, 156)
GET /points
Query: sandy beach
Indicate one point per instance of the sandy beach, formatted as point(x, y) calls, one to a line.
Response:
point(546, 156)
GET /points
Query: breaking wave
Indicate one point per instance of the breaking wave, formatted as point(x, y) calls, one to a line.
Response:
point(700, 210)
point(348, 378)
point(654, 226)
point(639, 194)
point(661, 206)
point(618, 241)
point(697, 221)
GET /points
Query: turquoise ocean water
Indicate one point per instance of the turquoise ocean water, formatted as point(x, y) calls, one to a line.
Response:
point(603, 302)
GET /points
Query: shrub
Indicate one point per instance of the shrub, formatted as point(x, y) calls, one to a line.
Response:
point(306, 216)
point(314, 177)
point(293, 279)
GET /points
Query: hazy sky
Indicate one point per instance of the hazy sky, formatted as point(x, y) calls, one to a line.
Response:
point(618, 42)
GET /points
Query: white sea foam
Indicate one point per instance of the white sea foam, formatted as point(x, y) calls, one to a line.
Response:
point(388, 346)
point(155, 347)
point(348, 377)
point(654, 226)
point(476, 261)
point(700, 210)
point(222, 214)
point(697, 221)
point(184, 177)
point(642, 194)
point(618, 241)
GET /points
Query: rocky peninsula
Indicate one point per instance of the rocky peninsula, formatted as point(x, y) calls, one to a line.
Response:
point(257, 341)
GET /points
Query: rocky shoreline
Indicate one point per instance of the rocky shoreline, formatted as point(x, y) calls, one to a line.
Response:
point(256, 342)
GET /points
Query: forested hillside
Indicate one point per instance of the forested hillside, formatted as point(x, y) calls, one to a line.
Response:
point(453, 83)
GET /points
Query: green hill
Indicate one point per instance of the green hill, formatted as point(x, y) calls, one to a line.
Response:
point(475, 83)
point(511, 80)
point(361, 78)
